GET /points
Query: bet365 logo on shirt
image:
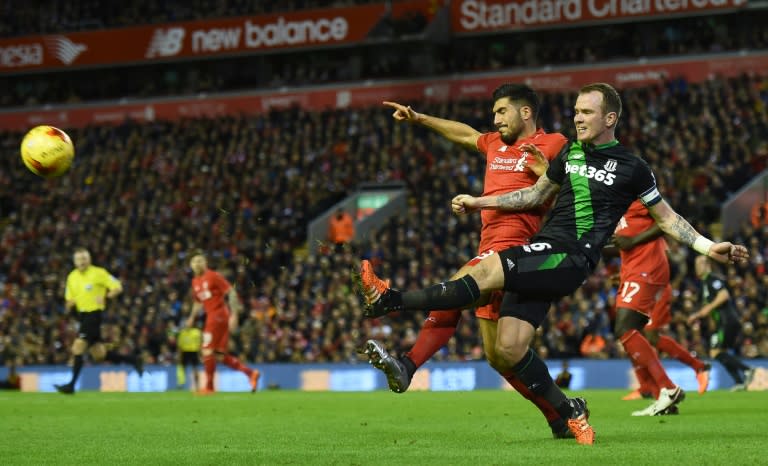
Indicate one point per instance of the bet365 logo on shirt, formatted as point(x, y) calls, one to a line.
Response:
point(590, 172)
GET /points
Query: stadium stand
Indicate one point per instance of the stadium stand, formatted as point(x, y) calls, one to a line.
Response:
point(143, 194)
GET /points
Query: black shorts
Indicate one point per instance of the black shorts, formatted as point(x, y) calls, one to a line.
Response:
point(537, 274)
point(90, 326)
point(532, 311)
point(190, 358)
point(726, 335)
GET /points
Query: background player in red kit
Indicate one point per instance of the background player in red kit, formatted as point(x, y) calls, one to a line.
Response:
point(209, 289)
point(642, 303)
point(509, 166)
point(641, 242)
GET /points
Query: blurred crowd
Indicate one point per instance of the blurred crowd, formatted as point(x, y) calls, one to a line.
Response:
point(405, 58)
point(58, 16)
point(244, 188)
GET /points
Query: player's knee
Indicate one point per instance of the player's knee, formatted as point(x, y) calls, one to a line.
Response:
point(509, 353)
point(627, 319)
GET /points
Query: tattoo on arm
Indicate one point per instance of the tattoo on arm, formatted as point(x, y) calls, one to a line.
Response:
point(530, 197)
point(673, 224)
point(683, 231)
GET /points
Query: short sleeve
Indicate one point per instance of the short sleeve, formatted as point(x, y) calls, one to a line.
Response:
point(644, 184)
point(482, 142)
point(556, 170)
point(109, 281)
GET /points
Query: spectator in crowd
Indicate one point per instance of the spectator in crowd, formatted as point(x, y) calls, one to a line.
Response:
point(341, 227)
point(593, 346)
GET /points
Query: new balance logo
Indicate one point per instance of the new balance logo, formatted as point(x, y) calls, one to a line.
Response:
point(576, 155)
point(166, 42)
point(503, 149)
point(64, 49)
point(510, 264)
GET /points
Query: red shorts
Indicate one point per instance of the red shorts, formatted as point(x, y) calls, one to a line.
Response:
point(216, 335)
point(661, 315)
point(491, 310)
point(640, 296)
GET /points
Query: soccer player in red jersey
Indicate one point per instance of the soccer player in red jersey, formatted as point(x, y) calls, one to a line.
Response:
point(509, 166)
point(642, 303)
point(209, 288)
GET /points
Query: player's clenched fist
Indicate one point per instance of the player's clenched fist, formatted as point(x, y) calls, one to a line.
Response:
point(402, 112)
point(728, 253)
point(463, 204)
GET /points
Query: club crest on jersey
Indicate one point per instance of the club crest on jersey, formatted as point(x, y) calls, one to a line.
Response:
point(610, 165)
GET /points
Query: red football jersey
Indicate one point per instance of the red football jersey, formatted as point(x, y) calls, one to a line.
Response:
point(645, 262)
point(210, 289)
point(506, 171)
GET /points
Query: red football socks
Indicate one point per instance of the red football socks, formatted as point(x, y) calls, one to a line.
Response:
point(434, 334)
point(674, 349)
point(234, 363)
point(643, 354)
point(544, 406)
point(209, 363)
point(644, 379)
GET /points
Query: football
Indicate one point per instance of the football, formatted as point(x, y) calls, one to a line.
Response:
point(47, 151)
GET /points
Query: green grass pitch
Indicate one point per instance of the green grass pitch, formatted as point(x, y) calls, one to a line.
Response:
point(446, 428)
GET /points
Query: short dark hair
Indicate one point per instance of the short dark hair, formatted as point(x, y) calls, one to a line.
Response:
point(521, 94)
point(611, 98)
point(81, 249)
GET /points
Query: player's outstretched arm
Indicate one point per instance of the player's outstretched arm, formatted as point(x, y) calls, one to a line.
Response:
point(722, 297)
point(523, 199)
point(454, 131)
point(678, 228)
